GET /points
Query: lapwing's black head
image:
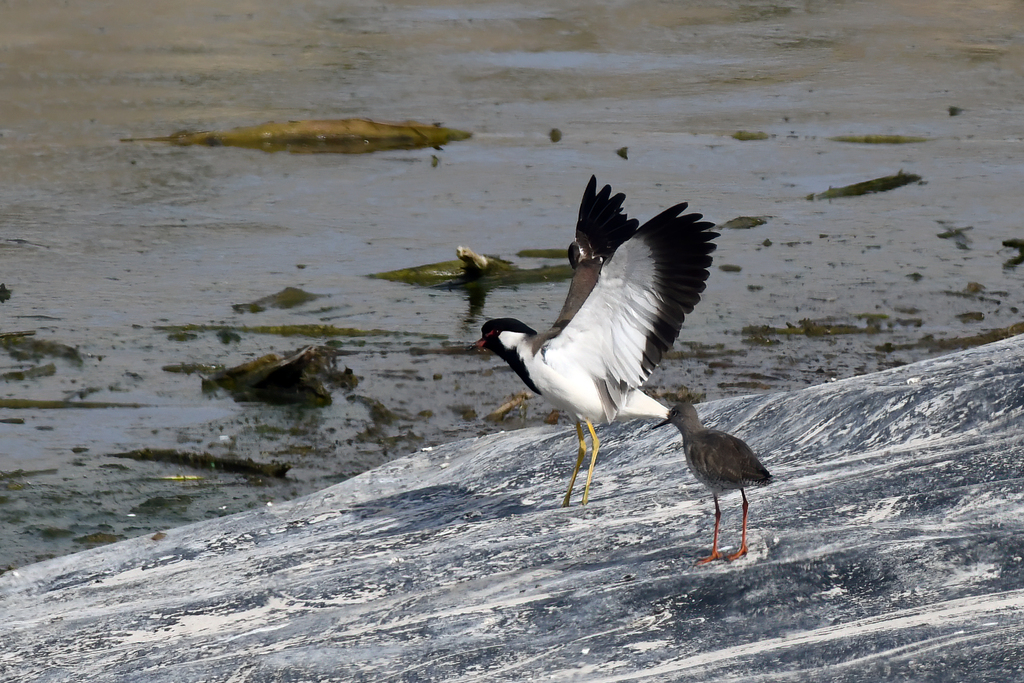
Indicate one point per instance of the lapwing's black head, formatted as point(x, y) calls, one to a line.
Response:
point(506, 348)
point(492, 329)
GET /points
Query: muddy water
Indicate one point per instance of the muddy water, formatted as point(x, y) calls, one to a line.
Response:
point(103, 244)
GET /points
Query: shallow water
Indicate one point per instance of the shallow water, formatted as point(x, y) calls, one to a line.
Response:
point(101, 242)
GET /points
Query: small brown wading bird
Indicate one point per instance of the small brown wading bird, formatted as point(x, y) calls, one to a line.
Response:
point(721, 462)
point(630, 289)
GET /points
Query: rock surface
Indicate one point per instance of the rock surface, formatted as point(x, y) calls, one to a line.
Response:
point(888, 547)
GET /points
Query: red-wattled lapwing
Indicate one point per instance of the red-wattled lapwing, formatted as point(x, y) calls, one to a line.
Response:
point(721, 462)
point(630, 290)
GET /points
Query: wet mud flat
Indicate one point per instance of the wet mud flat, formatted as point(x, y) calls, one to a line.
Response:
point(139, 268)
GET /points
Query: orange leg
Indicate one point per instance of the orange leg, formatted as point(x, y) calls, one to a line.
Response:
point(743, 544)
point(715, 555)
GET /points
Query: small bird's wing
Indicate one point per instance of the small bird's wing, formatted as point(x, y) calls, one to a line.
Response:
point(725, 461)
point(600, 229)
point(633, 313)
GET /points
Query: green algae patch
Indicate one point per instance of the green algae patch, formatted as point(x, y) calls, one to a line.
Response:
point(305, 330)
point(883, 184)
point(542, 253)
point(192, 368)
point(47, 370)
point(761, 334)
point(97, 539)
point(745, 222)
point(701, 351)
point(879, 139)
point(341, 136)
point(206, 461)
point(746, 135)
point(954, 343)
point(289, 297)
point(23, 346)
point(30, 404)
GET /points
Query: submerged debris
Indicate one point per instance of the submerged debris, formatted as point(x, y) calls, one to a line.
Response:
point(879, 139)
point(5, 293)
point(345, 136)
point(1014, 243)
point(289, 297)
point(206, 461)
point(544, 253)
point(507, 407)
point(299, 378)
point(958, 235)
point(744, 135)
point(883, 184)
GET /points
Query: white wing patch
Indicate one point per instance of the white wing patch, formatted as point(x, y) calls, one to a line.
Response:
point(608, 336)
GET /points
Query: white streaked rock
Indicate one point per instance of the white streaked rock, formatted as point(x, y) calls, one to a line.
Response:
point(889, 546)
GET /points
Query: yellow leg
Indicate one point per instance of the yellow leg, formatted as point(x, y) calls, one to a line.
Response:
point(579, 462)
point(593, 461)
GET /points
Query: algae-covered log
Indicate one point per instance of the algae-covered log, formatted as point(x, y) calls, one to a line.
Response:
point(206, 461)
point(471, 268)
point(345, 136)
point(883, 184)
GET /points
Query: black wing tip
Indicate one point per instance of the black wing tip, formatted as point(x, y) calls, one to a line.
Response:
point(601, 220)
